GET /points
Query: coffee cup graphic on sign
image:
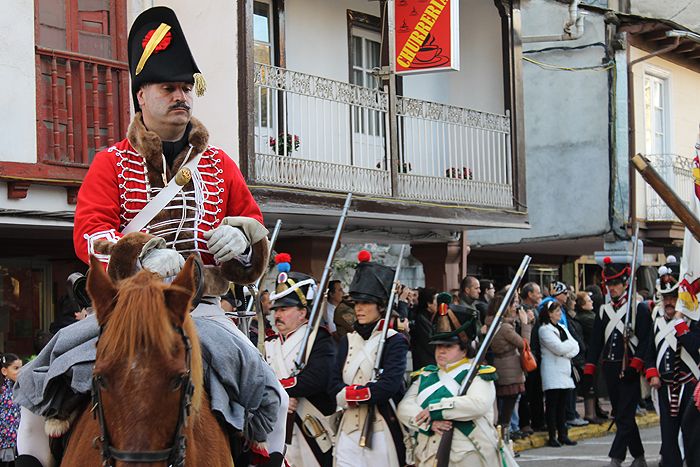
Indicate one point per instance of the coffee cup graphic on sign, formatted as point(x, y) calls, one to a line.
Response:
point(429, 51)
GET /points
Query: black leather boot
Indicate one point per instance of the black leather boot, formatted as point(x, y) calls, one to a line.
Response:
point(25, 460)
point(564, 438)
point(553, 440)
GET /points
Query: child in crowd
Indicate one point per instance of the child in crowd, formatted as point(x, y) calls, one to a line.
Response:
point(10, 365)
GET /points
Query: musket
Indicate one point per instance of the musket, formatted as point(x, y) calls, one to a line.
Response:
point(256, 299)
point(366, 434)
point(442, 458)
point(631, 301)
point(666, 193)
point(254, 289)
point(315, 315)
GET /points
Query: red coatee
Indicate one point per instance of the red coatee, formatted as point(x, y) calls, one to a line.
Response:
point(288, 382)
point(589, 369)
point(637, 363)
point(682, 328)
point(116, 188)
point(356, 393)
point(652, 373)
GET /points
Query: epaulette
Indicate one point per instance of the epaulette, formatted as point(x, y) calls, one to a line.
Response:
point(488, 373)
point(425, 370)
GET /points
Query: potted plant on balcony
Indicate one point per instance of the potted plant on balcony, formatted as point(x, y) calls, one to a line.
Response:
point(404, 168)
point(463, 173)
point(285, 144)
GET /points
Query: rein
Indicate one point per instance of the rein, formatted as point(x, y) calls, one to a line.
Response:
point(174, 455)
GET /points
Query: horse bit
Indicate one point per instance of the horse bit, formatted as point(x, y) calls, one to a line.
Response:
point(175, 455)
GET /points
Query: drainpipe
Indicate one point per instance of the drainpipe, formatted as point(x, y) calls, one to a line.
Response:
point(632, 174)
point(573, 27)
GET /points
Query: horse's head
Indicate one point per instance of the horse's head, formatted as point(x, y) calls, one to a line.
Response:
point(143, 367)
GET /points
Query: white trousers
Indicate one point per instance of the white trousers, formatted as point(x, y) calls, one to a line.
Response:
point(32, 439)
point(348, 452)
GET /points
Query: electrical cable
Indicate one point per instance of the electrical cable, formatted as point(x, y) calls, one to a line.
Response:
point(548, 66)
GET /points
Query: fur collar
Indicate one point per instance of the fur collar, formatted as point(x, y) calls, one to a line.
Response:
point(148, 144)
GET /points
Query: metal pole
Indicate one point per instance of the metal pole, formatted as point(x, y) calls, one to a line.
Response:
point(393, 117)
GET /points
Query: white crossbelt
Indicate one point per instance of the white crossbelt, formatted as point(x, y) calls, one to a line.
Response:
point(156, 205)
point(616, 322)
point(665, 337)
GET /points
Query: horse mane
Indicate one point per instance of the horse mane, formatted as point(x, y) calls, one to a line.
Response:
point(141, 322)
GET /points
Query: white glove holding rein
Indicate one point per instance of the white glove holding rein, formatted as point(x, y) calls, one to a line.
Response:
point(156, 257)
point(226, 243)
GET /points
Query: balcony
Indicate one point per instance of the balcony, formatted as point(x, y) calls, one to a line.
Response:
point(678, 172)
point(82, 106)
point(330, 136)
point(662, 225)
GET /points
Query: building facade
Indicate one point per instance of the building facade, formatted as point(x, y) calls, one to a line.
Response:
point(623, 87)
point(298, 95)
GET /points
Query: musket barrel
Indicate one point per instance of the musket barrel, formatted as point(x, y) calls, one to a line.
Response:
point(631, 302)
point(273, 241)
point(442, 458)
point(313, 316)
point(366, 433)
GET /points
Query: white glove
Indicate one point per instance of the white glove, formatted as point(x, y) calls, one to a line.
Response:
point(226, 242)
point(164, 261)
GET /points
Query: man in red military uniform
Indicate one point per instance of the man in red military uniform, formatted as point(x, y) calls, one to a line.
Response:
point(213, 214)
point(147, 202)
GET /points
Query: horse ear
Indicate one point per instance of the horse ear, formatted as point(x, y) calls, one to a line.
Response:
point(101, 290)
point(178, 296)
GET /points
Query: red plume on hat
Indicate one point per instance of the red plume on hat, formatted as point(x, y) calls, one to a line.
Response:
point(364, 256)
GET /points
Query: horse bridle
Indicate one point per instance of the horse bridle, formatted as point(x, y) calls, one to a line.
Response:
point(174, 455)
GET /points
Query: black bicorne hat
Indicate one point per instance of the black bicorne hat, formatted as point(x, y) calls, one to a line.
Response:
point(668, 277)
point(293, 288)
point(372, 281)
point(158, 52)
point(615, 271)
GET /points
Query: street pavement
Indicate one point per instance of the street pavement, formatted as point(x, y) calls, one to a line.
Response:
point(590, 452)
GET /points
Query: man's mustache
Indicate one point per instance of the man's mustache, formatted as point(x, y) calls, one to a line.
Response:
point(279, 321)
point(180, 105)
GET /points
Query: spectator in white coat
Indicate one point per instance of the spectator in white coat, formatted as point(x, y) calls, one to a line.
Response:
point(558, 348)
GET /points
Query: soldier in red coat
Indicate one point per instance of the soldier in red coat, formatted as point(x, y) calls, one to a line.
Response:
point(150, 201)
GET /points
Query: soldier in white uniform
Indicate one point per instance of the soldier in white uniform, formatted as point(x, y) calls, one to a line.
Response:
point(310, 441)
point(351, 377)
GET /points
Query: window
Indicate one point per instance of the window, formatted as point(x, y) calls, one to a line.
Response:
point(262, 40)
point(87, 27)
point(82, 78)
point(262, 32)
point(656, 134)
point(365, 47)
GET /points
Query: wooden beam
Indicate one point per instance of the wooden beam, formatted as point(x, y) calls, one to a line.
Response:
point(17, 190)
point(45, 174)
point(655, 36)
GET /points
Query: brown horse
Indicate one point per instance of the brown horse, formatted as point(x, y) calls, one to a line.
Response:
point(144, 376)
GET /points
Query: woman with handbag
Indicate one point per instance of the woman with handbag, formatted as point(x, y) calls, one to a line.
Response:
point(506, 346)
point(558, 348)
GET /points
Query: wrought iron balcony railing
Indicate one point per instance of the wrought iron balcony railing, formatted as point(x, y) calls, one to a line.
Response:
point(677, 170)
point(317, 133)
